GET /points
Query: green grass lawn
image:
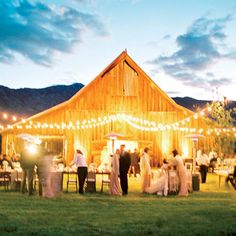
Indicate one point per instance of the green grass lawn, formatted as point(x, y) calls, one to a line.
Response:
point(211, 211)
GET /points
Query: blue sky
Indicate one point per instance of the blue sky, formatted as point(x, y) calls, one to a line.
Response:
point(188, 47)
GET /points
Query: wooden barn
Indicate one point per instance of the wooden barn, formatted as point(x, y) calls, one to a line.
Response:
point(123, 100)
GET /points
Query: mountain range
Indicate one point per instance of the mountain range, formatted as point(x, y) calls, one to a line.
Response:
point(26, 101)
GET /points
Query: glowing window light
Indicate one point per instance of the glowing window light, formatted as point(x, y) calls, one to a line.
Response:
point(14, 118)
point(23, 120)
point(188, 119)
point(195, 116)
point(5, 116)
point(31, 122)
point(202, 113)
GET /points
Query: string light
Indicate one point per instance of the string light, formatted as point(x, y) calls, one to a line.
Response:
point(136, 122)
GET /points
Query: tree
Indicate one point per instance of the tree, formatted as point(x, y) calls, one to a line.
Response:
point(222, 118)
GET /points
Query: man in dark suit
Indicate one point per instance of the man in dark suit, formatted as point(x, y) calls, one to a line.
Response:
point(125, 162)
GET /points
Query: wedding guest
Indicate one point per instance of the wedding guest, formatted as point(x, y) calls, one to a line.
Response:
point(114, 178)
point(181, 170)
point(124, 162)
point(135, 162)
point(203, 162)
point(82, 168)
point(29, 157)
point(145, 170)
point(44, 164)
point(16, 161)
point(232, 178)
point(213, 160)
point(160, 186)
point(6, 161)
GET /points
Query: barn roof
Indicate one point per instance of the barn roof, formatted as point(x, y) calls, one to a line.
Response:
point(121, 58)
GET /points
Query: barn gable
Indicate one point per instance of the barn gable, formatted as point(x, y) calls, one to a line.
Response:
point(123, 87)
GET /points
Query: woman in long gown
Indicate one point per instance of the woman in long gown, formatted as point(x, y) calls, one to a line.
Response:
point(145, 171)
point(160, 186)
point(182, 172)
point(114, 178)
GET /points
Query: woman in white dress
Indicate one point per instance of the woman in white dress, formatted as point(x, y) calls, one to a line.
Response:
point(114, 178)
point(145, 170)
point(182, 173)
point(160, 186)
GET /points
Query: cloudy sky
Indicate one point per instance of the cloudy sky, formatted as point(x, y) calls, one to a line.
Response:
point(188, 47)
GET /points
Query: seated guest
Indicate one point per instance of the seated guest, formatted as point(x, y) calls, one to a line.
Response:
point(232, 178)
point(16, 161)
point(5, 161)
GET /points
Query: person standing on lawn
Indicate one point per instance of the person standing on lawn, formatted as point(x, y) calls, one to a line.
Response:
point(82, 168)
point(125, 162)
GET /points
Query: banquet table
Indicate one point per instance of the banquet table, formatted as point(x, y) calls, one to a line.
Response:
point(68, 173)
point(222, 174)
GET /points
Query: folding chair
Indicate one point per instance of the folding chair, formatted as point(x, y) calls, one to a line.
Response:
point(105, 180)
point(72, 180)
point(5, 179)
point(91, 182)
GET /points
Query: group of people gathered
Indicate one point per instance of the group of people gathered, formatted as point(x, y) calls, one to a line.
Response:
point(122, 162)
point(121, 167)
